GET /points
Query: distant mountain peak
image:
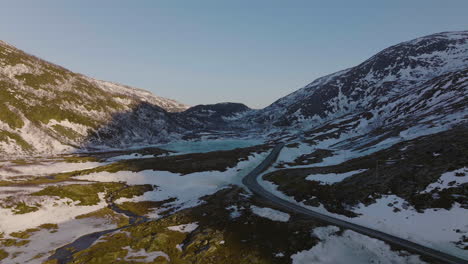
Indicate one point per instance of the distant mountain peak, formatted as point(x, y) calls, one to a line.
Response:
point(388, 74)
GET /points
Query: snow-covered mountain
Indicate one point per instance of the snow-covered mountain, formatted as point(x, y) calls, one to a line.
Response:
point(418, 85)
point(394, 75)
point(48, 109)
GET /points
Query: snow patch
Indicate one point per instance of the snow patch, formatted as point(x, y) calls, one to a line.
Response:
point(43, 168)
point(143, 255)
point(449, 179)
point(52, 210)
point(331, 178)
point(185, 228)
point(270, 213)
point(44, 241)
point(234, 211)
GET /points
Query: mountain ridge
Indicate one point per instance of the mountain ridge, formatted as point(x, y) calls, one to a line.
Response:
point(393, 91)
point(346, 83)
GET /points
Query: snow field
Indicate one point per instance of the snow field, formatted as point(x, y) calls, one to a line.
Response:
point(188, 189)
point(53, 210)
point(435, 228)
point(350, 248)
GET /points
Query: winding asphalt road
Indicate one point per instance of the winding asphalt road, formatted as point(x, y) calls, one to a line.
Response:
point(251, 182)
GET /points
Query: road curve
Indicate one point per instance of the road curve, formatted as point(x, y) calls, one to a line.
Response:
point(250, 180)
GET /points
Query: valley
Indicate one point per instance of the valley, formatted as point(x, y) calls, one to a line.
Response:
point(128, 200)
point(369, 164)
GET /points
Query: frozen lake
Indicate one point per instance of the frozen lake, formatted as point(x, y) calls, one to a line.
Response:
point(210, 145)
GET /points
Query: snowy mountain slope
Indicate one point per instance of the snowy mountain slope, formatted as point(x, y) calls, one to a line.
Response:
point(430, 97)
point(391, 73)
point(434, 106)
point(412, 86)
point(48, 109)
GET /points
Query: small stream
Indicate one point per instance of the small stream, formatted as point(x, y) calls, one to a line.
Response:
point(65, 253)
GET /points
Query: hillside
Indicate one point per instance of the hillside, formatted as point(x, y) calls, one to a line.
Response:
point(48, 109)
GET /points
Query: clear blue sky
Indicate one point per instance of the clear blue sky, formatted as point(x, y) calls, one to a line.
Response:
point(201, 52)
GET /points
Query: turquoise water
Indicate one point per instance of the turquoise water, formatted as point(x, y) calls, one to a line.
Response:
point(210, 145)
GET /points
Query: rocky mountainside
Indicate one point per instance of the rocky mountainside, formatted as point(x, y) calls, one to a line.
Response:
point(394, 76)
point(219, 116)
point(47, 109)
